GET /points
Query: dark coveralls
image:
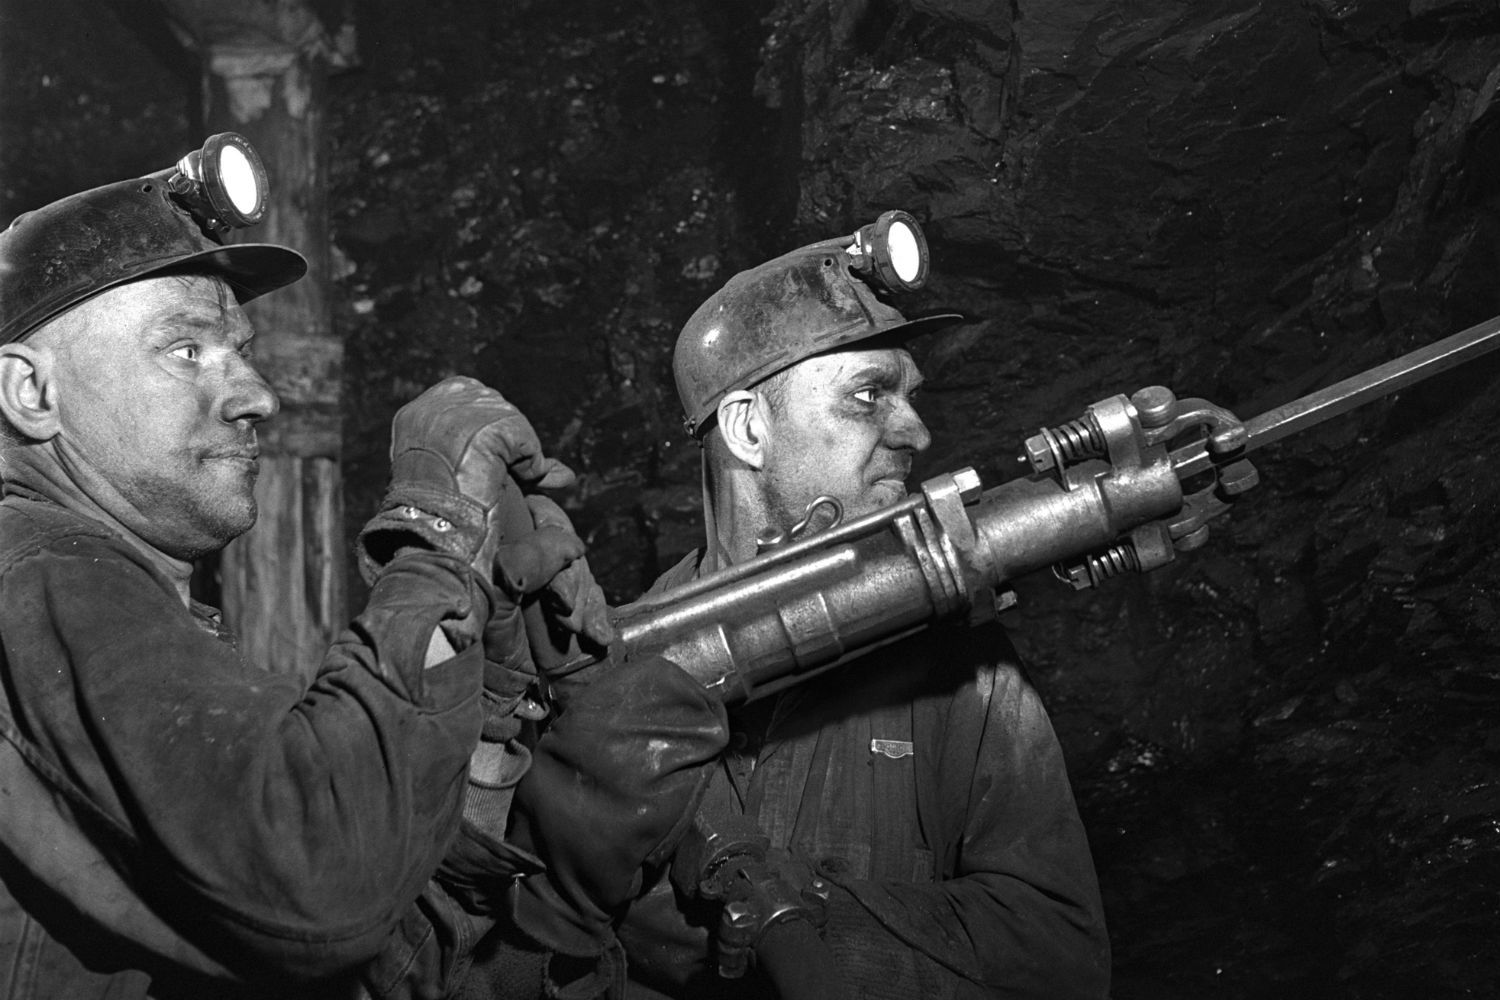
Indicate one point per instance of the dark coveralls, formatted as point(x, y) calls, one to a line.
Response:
point(179, 820)
point(926, 783)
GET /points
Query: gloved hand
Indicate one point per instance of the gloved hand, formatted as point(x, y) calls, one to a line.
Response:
point(522, 567)
point(541, 553)
point(613, 785)
point(457, 451)
point(544, 557)
point(573, 600)
point(480, 865)
point(570, 608)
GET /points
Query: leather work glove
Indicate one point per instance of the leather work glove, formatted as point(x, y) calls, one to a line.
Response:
point(614, 784)
point(458, 452)
point(542, 557)
point(573, 600)
point(480, 865)
point(568, 615)
point(530, 563)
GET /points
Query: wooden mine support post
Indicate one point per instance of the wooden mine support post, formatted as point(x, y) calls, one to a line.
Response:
point(265, 68)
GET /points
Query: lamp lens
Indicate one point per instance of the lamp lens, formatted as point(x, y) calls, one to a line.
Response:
point(905, 252)
point(239, 179)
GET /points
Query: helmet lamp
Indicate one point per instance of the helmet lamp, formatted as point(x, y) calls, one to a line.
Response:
point(892, 250)
point(224, 183)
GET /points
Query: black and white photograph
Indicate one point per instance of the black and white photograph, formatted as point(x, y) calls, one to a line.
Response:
point(749, 500)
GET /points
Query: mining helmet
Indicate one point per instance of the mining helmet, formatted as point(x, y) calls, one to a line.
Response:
point(57, 256)
point(815, 299)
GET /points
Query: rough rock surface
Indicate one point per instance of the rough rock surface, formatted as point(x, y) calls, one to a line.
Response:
point(1285, 745)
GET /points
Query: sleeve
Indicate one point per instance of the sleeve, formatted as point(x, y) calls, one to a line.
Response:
point(279, 825)
point(1016, 909)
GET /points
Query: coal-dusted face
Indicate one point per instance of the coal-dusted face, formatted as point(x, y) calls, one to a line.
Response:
point(158, 402)
point(842, 424)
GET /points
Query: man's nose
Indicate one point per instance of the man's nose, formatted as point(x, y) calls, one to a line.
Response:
point(247, 396)
point(906, 429)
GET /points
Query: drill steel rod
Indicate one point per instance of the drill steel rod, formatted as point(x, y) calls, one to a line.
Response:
point(1355, 391)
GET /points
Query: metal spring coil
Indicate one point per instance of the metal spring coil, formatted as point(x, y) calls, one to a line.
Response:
point(1078, 439)
point(1117, 559)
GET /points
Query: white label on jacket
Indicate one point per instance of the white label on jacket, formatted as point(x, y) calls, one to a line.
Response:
point(894, 749)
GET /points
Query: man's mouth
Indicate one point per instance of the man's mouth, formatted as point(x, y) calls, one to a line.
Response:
point(250, 456)
point(888, 490)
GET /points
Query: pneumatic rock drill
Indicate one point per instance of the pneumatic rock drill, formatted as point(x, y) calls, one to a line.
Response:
point(1108, 493)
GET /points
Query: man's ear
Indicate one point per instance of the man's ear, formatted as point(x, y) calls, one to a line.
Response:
point(28, 392)
point(743, 426)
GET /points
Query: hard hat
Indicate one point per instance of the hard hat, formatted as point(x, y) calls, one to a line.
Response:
point(55, 257)
point(802, 303)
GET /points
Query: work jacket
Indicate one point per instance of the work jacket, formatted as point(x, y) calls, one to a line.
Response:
point(925, 782)
point(175, 822)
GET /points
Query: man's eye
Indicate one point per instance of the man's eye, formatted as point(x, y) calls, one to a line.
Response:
point(867, 394)
point(187, 352)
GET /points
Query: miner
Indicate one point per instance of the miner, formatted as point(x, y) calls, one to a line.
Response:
point(175, 822)
point(922, 790)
